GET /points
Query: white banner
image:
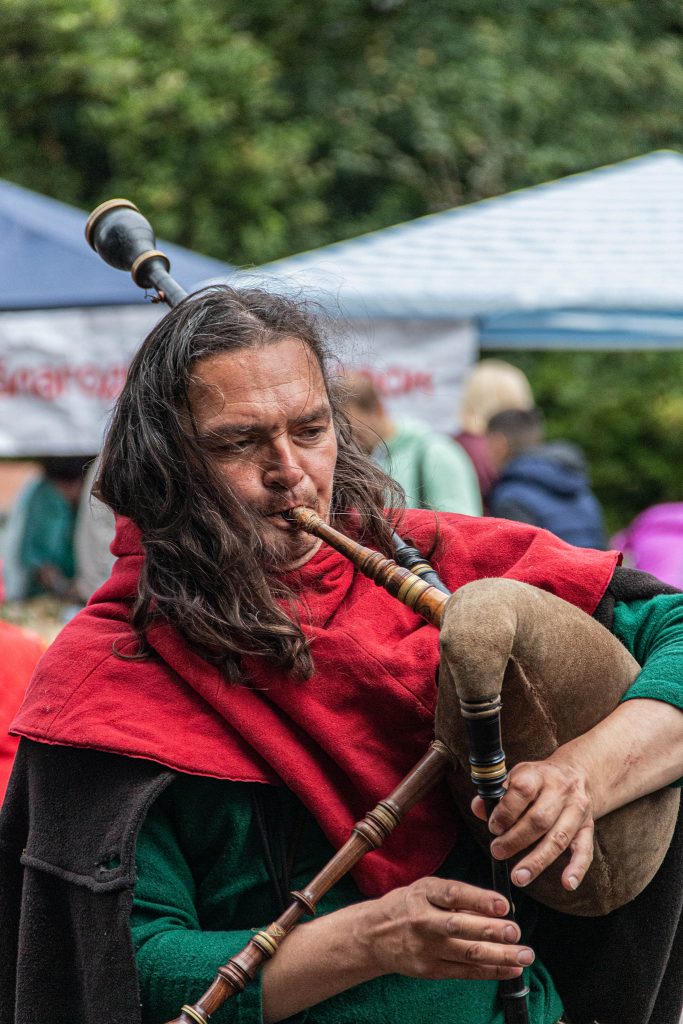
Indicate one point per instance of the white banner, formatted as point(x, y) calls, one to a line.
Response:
point(417, 366)
point(61, 372)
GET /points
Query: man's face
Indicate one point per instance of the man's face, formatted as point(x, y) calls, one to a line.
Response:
point(267, 417)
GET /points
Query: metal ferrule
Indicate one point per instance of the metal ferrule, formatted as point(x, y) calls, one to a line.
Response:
point(486, 708)
point(385, 817)
point(110, 204)
point(266, 943)
point(190, 1012)
point(488, 772)
point(405, 594)
point(145, 257)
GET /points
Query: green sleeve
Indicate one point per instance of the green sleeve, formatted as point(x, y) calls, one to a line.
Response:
point(652, 630)
point(176, 959)
point(450, 480)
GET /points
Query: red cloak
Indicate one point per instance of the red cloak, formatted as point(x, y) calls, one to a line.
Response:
point(340, 740)
point(20, 650)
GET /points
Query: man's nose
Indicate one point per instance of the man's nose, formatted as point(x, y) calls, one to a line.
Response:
point(282, 470)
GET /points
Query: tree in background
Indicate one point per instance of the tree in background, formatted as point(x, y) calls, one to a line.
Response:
point(253, 130)
point(169, 103)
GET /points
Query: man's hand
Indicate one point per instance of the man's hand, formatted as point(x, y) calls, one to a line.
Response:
point(548, 803)
point(441, 929)
point(434, 929)
point(637, 749)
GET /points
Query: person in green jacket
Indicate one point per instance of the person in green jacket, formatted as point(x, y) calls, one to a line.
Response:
point(434, 470)
point(38, 555)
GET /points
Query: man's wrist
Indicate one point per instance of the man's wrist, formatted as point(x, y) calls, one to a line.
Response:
point(363, 930)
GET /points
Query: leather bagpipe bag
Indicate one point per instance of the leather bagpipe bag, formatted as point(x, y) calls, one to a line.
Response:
point(559, 672)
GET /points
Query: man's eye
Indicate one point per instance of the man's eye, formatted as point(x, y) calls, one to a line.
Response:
point(311, 433)
point(224, 449)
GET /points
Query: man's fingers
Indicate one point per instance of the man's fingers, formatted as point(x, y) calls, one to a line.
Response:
point(564, 834)
point(447, 970)
point(541, 820)
point(492, 954)
point(525, 783)
point(449, 895)
point(473, 927)
point(479, 809)
point(582, 857)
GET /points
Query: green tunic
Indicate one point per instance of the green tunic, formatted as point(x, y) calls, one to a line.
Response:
point(202, 884)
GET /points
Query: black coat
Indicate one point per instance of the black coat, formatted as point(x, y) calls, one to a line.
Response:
point(68, 830)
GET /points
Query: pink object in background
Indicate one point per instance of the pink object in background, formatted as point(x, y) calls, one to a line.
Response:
point(654, 542)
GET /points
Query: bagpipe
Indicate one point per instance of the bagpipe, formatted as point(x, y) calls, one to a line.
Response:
point(516, 662)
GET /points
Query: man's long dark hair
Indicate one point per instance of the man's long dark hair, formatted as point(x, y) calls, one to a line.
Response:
point(205, 569)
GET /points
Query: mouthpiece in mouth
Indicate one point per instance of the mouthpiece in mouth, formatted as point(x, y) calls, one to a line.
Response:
point(290, 515)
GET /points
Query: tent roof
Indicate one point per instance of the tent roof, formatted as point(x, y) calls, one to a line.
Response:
point(608, 239)
point(45, 261)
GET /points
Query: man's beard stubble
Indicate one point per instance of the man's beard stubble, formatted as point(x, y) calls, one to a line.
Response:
point(275, 548)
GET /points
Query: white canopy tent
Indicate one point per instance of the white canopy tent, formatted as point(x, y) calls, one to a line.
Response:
point(589, 261)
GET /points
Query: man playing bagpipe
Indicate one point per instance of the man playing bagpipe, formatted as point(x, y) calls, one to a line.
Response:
point(204, 734)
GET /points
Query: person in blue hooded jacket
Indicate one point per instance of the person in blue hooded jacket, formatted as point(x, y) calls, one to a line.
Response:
point(544, 484)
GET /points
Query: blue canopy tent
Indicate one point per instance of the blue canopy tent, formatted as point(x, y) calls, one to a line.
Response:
point(46, 264)
point(69, 325)
point(589, 261)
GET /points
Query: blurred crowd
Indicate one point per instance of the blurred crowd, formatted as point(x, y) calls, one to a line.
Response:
point(57, 535)
point(497, 464)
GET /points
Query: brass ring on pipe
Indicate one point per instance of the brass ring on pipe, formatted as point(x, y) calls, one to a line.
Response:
point(188, 1010)
point(143, 258)
point(111, 204)
point(488, 774)
point(266, 943)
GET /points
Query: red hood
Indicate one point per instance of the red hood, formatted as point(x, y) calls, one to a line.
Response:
point(341, 740)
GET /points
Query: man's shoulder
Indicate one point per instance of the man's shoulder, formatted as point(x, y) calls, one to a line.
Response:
point(71, 810)
point(436, 533)
point(87, 673)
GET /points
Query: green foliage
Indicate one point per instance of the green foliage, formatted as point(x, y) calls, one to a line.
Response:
point(254, 130)
point(167, 103)
point(625, 409)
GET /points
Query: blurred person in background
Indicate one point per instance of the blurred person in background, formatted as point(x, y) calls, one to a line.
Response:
point(491, 386)
point(93, 534)
point(434, 471)
point(39, 537)
point(543, 484)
